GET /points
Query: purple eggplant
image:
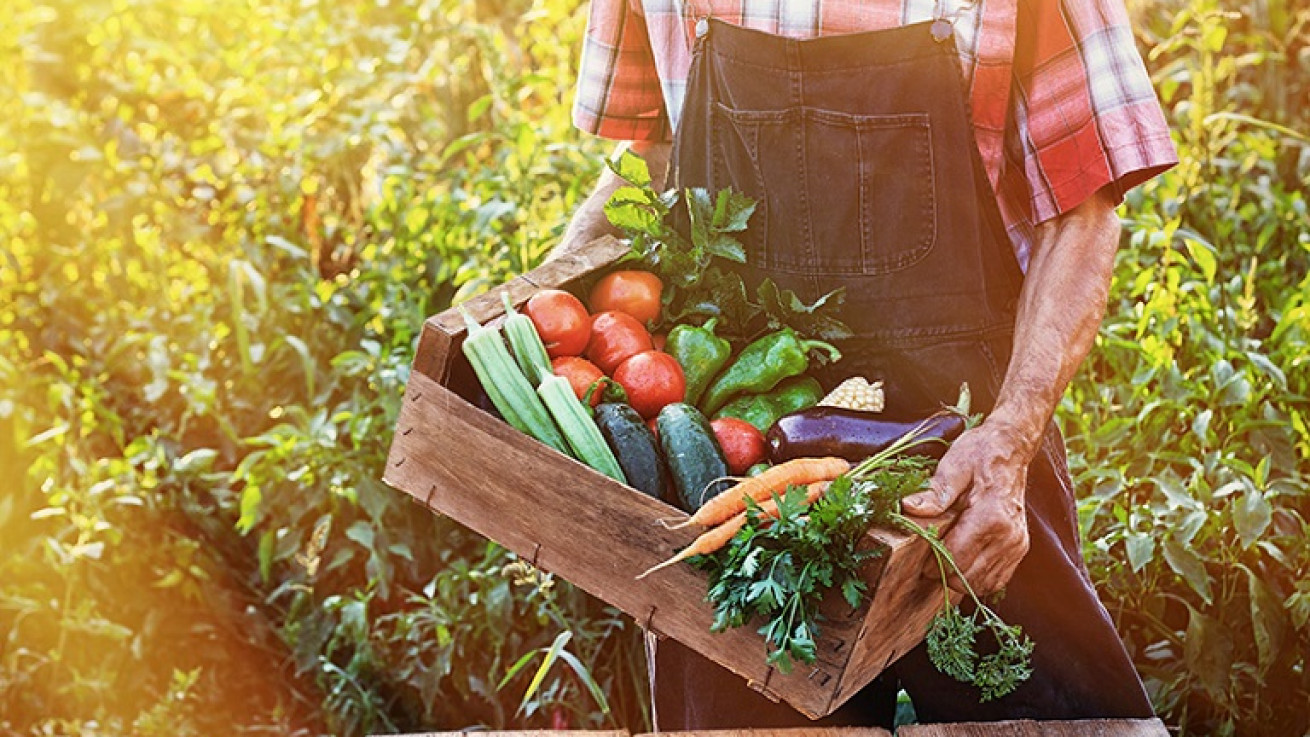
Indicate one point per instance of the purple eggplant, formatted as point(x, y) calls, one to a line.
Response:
point(852, 434)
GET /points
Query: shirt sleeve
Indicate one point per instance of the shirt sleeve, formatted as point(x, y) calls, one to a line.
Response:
point(618, 94)
point(1084, 113)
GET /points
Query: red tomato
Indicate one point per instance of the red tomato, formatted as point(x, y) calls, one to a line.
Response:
point(581, 374)
point(616, 337)
point(654, 425)
point(561, 320)
point(743, 445)
point(658, 340)
point(652, 380)
point(636, 293)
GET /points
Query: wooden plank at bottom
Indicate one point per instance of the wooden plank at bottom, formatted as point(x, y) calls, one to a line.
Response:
point(1026, 728)
point(789, 732)
point(522, 733)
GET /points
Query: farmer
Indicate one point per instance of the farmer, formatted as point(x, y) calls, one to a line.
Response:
point(954, 165)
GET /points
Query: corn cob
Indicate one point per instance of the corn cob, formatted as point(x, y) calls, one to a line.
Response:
point(855, 393)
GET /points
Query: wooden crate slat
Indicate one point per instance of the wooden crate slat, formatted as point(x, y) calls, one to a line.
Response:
point(903, 603)
point(523, 733)
point(1027, 728)
point(787, 732)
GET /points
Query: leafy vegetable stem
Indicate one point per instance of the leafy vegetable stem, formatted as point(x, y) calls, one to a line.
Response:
point(939, 550)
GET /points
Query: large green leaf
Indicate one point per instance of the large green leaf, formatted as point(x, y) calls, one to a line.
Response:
point(1190, 566)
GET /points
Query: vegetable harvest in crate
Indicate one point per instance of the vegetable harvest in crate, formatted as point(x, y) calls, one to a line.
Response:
point(731, 390)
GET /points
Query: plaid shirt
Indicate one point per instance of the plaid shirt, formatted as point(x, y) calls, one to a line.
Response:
point(1062, 104)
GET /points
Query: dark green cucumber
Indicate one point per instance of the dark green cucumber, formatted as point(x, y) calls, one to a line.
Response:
point(634, 445)
point(695, 459)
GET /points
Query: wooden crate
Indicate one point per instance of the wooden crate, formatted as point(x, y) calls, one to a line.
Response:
point(458, 460)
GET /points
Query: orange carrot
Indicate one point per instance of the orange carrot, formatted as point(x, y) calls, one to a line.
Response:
point(705, 544)
point(798, 471)
point(716, 538)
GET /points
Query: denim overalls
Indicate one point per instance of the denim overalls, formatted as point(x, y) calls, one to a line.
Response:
point(860, 151)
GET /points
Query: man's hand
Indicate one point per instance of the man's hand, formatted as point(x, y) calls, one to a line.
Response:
point(983, 474)
point(983, 477)
point(589, 222)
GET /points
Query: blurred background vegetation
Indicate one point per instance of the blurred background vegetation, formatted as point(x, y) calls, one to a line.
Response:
point(222, 223)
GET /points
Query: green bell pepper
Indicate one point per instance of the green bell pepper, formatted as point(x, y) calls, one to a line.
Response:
point(762, 410)
point(701, 353)
point(761, 365)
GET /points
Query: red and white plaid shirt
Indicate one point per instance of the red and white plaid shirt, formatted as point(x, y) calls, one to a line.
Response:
point(1062, 104)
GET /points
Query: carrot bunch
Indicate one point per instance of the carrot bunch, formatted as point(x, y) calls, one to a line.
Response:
point(725, 514)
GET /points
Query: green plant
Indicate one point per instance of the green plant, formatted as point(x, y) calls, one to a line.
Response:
point(1188, 425)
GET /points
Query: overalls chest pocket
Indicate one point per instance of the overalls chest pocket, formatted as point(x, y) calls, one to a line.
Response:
point(840, 194)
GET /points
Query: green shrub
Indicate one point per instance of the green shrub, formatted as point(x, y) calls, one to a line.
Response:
point(1188, 425)
point(223, 223)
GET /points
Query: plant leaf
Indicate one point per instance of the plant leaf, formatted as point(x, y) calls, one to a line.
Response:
point(1189, 565)
point(1208, 650)
point(631, 168)
point(1269, 621)
point(552, 654)
point(1252, 514)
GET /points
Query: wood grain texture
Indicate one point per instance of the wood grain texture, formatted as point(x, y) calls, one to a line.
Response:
point(524, 733)
point(791, 732)
point(1083, 728)
point(599, 535)
point(902, 604)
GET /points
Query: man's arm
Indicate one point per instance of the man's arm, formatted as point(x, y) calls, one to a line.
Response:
point(983, 474)
point(588, 222)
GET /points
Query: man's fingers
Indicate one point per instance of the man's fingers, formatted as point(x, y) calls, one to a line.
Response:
point(946, 486)
point(991, 569)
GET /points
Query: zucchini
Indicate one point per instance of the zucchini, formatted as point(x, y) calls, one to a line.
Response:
point(695, 459)
point(634, 445)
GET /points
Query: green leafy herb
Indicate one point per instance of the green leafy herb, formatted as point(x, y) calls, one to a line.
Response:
point(785, 309)
point(777, 571)
point(696, 265)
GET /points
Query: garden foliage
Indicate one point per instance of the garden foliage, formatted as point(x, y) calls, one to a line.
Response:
point(222, 223)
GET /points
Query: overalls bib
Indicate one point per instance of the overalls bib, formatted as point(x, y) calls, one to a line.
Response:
point(860, 152)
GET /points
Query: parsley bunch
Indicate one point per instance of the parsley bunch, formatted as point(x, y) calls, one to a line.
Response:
point(777, 570)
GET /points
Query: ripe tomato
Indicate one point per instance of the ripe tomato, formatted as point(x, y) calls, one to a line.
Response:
point(581, 374)
point(743, 445)
point(652, 379)
point(636, 293)
point(615, 337)
point(561, 320)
